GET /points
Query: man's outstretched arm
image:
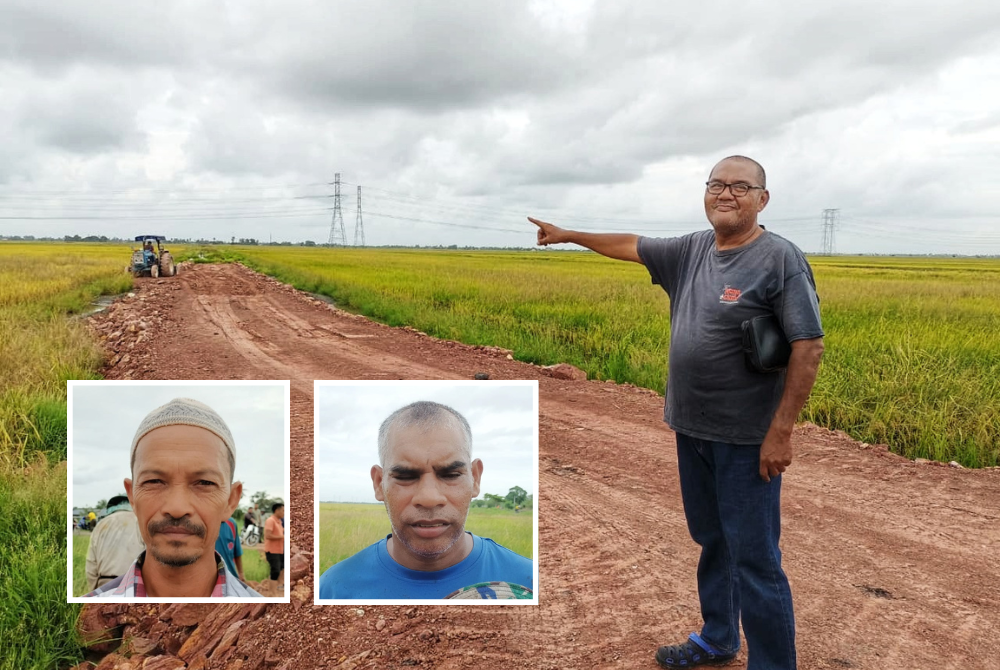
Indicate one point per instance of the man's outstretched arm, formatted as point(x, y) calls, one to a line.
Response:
point(621, 246)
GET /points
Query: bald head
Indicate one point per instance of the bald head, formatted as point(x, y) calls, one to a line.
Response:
point(758, 168)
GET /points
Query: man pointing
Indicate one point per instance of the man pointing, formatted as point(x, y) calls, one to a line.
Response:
point(733, 424)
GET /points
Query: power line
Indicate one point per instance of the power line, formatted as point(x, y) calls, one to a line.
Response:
point(172, 189)
point(451, 224)
point(105, 201)
point(163, 217)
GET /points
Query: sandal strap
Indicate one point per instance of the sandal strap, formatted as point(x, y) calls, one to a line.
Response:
point(709, 649)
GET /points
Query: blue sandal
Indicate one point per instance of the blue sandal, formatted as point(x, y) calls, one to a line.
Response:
point(692, 653)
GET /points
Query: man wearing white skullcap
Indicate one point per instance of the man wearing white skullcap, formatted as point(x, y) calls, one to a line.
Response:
point(183, 458)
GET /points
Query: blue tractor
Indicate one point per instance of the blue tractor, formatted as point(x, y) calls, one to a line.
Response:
point(152, 260)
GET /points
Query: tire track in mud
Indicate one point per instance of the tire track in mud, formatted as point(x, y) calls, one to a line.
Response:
point(259, 343)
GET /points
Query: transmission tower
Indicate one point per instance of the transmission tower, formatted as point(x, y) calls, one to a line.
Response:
point(359, 226)
point(338, 237)
point(830, 219)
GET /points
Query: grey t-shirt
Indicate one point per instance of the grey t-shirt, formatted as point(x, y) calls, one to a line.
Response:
point(711, 394)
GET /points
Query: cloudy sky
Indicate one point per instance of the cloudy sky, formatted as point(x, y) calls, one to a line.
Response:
point(229, 119)
point(503, 417)
point(105, 416)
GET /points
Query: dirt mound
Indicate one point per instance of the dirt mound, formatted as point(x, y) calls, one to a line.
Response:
point(892, 564)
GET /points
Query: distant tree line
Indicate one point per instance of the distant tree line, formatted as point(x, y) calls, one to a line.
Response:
point(251, 241)
point(516, 497)
point(245, 241)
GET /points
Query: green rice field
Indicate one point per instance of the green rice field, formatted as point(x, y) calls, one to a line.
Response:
point(40, 285)
point(347, 528)
point(41, 346)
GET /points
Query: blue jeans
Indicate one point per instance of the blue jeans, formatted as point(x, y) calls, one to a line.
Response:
point(735, 516)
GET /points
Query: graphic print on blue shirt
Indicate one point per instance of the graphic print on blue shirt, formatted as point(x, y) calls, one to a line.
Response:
point(372, 573)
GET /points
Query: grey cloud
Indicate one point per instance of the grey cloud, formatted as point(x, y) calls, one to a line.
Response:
point(486, 99)
point(55, 36)
point(903, 38)
point(261, 141)
point(972, 126)
point(426, 57)
point(686, 81)
point(765, 38)
point(82, 121)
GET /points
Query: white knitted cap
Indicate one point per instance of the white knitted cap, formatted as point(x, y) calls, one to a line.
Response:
point(188, 412)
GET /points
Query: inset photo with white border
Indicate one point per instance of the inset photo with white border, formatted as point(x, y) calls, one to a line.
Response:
point(178, 491)
point(426, 491)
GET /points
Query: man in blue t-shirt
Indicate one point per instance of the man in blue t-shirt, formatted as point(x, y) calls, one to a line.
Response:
point(427, 478)
point(229, 547)
point(733, 424)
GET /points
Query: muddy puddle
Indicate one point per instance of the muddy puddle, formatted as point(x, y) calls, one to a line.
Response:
point(100, 304)
point(325, 298)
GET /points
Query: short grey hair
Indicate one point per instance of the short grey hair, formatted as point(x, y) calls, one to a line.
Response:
point(421, 413)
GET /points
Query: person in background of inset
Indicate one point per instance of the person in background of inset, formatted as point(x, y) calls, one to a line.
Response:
point(251, 519)
point(229, 547)
point(274, 546)
point(114, 544)
point(427, 479)
point(183, 460)
point(733, 424)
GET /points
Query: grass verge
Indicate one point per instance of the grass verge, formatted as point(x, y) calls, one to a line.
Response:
point(41, 286)
point(37, 626)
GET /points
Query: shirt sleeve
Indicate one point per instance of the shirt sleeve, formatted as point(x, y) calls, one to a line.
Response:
point(799, 314)
point(661, 256)
point(92, 568)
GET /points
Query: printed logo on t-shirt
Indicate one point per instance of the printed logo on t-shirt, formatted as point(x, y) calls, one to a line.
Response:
point(730, 295)
point(230, 545)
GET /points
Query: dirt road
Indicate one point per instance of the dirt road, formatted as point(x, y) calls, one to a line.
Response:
point(892, 564)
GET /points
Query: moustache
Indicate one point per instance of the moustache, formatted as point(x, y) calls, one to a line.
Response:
point(170, 523)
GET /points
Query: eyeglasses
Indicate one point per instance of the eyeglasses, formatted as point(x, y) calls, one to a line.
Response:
point(739, 189)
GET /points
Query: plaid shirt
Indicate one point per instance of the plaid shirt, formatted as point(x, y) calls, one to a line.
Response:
point(130, 584)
